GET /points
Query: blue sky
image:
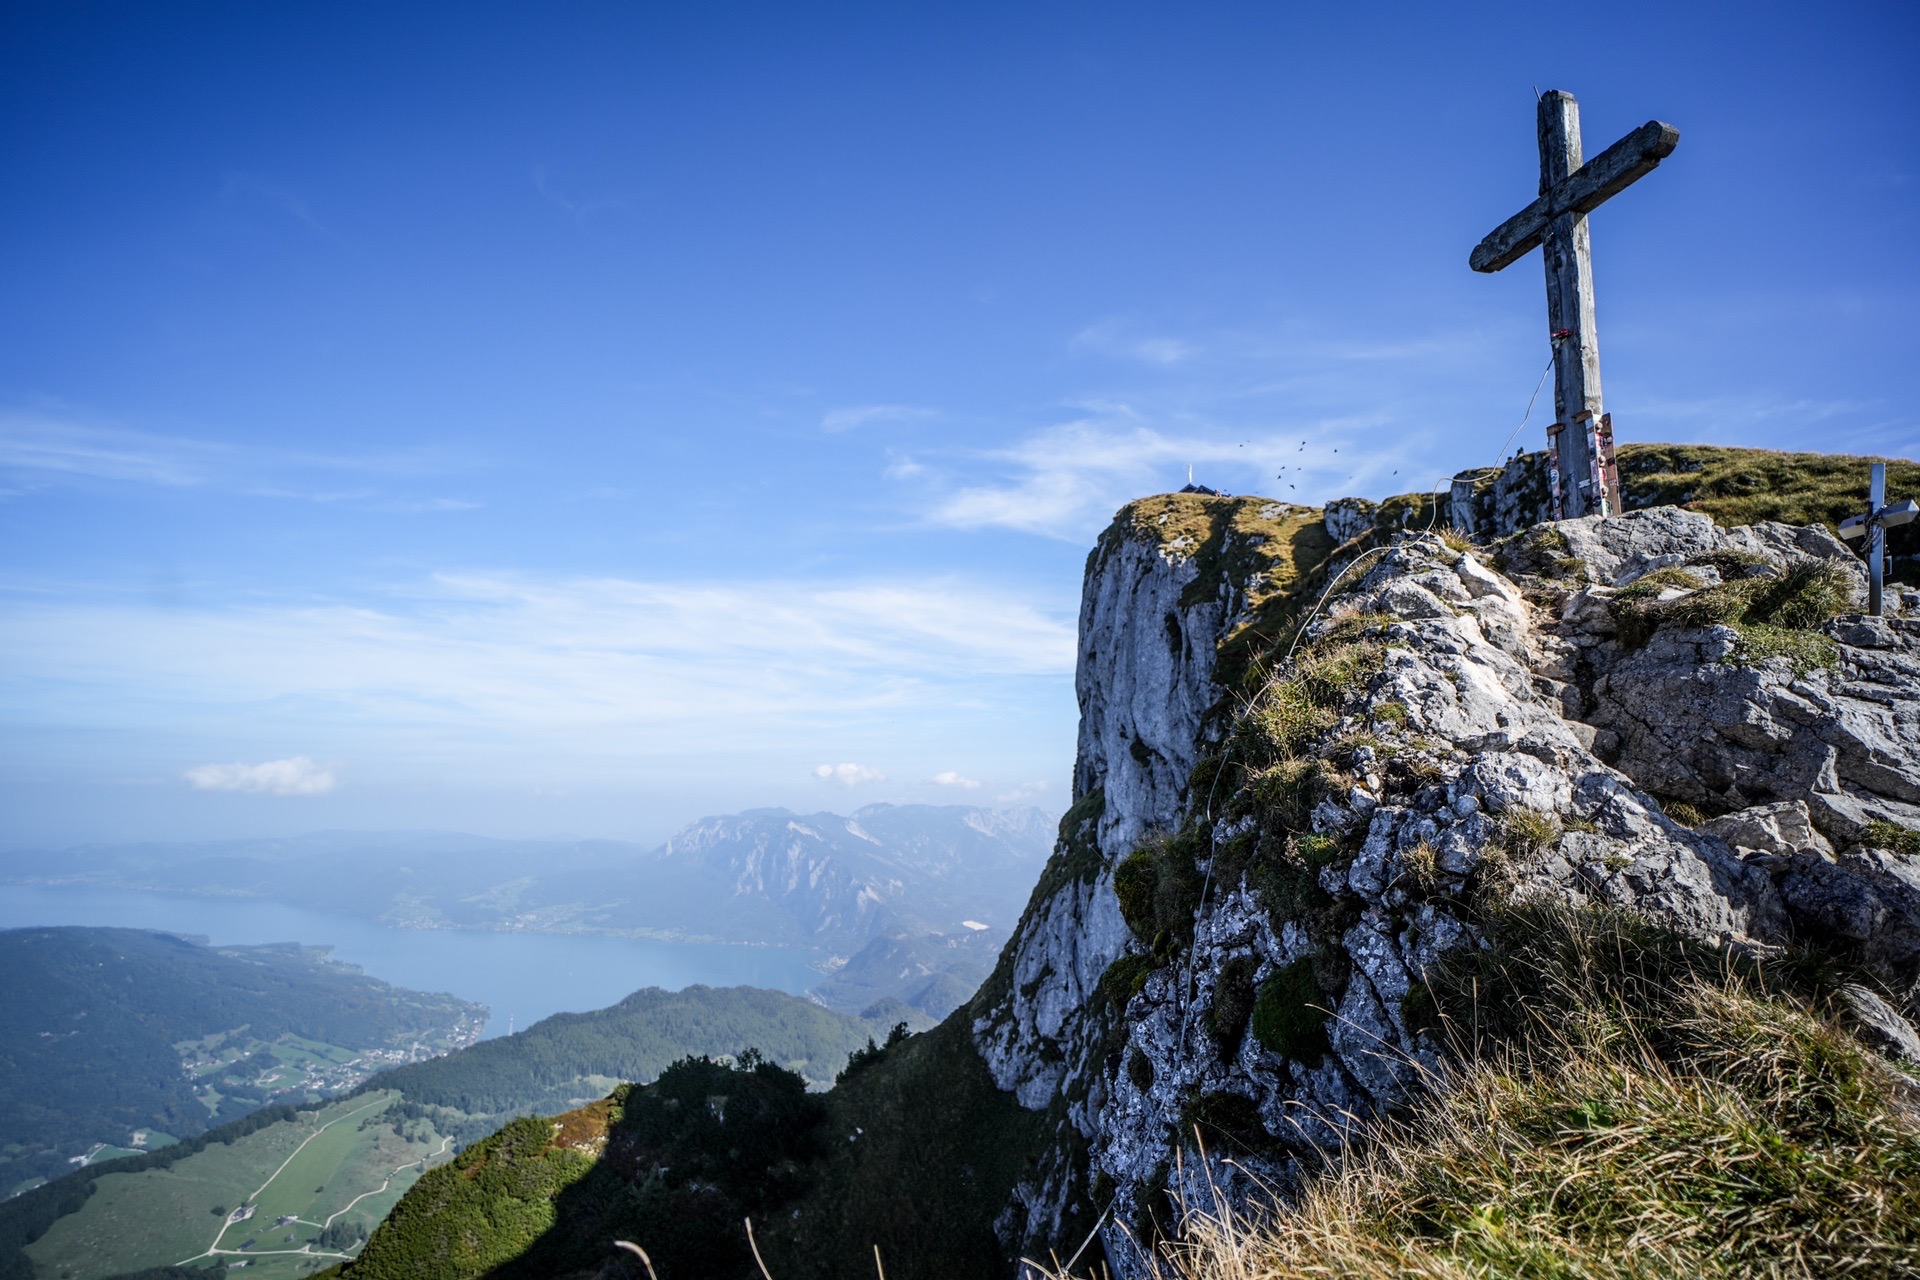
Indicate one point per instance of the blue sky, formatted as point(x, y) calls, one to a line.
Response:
point(577, 418)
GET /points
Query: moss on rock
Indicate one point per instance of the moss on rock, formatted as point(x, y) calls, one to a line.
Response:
point(1287, 1017)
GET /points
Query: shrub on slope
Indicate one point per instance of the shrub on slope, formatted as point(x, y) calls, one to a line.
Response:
point(543, 1067)
point(677, 1164)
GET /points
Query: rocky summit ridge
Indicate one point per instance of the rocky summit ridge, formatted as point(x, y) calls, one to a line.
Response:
point(1313, 746)
point(1272, 857)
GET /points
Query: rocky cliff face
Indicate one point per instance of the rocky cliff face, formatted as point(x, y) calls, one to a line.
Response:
point(1165, 585)
point(1235, 934)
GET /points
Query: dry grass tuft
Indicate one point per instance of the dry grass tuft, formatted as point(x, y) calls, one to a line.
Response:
point(1528, 831)
point(1652, 584)
point(1423, 864)
point(1629, 1106)
point(1804, 651)
point(1685, 814)
point(1799, 598)
point(1881, 834)
point(1292, 711)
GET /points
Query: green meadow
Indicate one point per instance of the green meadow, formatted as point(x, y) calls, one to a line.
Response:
point(343, 1165)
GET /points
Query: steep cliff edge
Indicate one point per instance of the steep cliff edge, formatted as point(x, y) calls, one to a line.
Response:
point(1266, 859)
point(1420, 751)
point(1278, 873)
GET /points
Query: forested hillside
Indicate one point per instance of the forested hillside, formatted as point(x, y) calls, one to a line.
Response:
point(96, 1025)
point(558, 1061)
point(677, 1163)
point(444, 1103)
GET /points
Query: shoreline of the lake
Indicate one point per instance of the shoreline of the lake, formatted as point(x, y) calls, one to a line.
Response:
point(521, 975)
point(429, 926)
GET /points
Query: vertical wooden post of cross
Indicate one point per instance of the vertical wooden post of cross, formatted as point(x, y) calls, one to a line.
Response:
point(1567, 251)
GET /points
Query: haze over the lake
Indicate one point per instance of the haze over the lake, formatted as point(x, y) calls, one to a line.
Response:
point(521, 977)
point(575, 419)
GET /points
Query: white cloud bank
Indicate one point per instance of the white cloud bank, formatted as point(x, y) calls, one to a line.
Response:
point(294, 776)
point(574, 677)
point(541, 652)
point(849, 775)
point(952, 779)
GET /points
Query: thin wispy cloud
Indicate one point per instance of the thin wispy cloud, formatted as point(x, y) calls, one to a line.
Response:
point(579, 210)
point(427, 506)
point(868, 415)
point(951, 778)
point(294, 776)
point(504, 655)
point(1117, 338)
point(369, 498)
point(903, 468)
point(248, 188)
point(30, 443)
point(57, 449)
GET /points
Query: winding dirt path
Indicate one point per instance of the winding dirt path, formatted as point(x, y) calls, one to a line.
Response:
point(215, 1248)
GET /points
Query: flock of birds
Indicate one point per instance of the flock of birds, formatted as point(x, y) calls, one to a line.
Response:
point(1303, 448)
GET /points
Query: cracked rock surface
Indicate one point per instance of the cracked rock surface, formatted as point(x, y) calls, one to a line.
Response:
point(1505, 728)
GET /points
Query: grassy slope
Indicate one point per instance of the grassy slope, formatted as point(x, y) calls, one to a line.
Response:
point(677, 1164)
point(130, 1221)
point(1745, 486)
point(162, 1216)
point(1634, 1107)
point(531, 1195)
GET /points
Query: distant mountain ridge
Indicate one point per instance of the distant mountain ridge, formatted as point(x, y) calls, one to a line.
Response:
point(847, 879)
point(947, 878)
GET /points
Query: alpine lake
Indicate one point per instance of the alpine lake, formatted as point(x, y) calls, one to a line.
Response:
point(521, 977)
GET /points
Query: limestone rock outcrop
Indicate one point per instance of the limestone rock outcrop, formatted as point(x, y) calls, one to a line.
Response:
point(1165, 584)
point(1503, 718)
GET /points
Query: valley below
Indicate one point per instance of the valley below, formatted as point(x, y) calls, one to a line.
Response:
point(262, 1139)
point(287, 1199)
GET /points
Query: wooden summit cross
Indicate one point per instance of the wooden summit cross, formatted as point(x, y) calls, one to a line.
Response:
point(1583, 477)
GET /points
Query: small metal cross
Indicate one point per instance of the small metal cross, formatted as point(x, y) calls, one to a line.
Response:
point(1874, 525)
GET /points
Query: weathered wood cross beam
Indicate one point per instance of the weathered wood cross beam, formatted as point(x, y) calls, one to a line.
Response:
point(1879, 518)
point(1585, 481)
